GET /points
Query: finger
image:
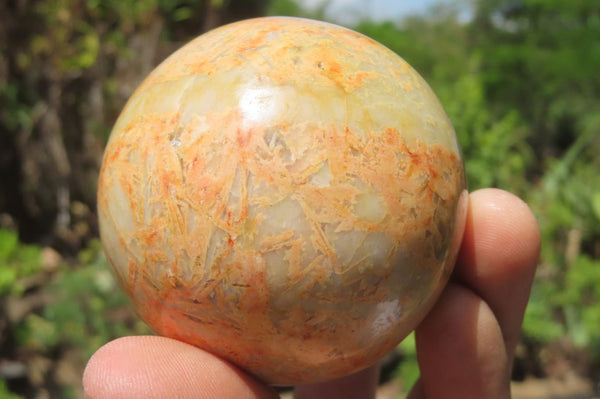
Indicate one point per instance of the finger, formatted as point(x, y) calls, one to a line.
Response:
point(498, 257)
point(460, 350)
point(361, 385)
point(158, 367)
point(465, 344)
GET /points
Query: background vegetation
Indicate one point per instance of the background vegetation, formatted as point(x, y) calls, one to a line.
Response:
point(519, 79)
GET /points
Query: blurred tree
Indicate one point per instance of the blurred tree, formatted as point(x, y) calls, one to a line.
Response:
point(520, 83)
point(66, 69)
point(543, 57)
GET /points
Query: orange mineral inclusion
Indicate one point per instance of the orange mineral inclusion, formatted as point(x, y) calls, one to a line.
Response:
point(286, 194)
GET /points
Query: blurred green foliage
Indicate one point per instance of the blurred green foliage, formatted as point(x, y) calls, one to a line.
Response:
point(520, 83)
point(408, 370)
point(83, 306)
point(5, 393)
point(523, 94)
point(17, 262)
point(82, 310)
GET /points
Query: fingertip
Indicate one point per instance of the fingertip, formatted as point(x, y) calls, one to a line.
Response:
point(158, 367)
point(502, 224)
point(98, 377)
point(499, 255)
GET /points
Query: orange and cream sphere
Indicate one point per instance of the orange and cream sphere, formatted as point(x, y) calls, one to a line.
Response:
point(285, 193)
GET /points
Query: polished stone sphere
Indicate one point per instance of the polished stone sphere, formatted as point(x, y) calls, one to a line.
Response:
point(284, 193)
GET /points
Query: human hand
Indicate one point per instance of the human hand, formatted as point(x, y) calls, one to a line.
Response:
point(465, 345)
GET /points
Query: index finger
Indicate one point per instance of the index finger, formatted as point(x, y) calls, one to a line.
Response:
point(498, 257)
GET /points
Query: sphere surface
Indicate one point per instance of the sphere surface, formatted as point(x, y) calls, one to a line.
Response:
point(286, 194)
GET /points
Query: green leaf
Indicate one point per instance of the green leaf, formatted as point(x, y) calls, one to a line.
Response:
point(38, 333)
point(408, 371)
point(5, 393)
point(8, 244)
point(8, 277)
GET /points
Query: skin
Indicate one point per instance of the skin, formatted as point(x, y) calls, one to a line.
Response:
point(465, 345)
